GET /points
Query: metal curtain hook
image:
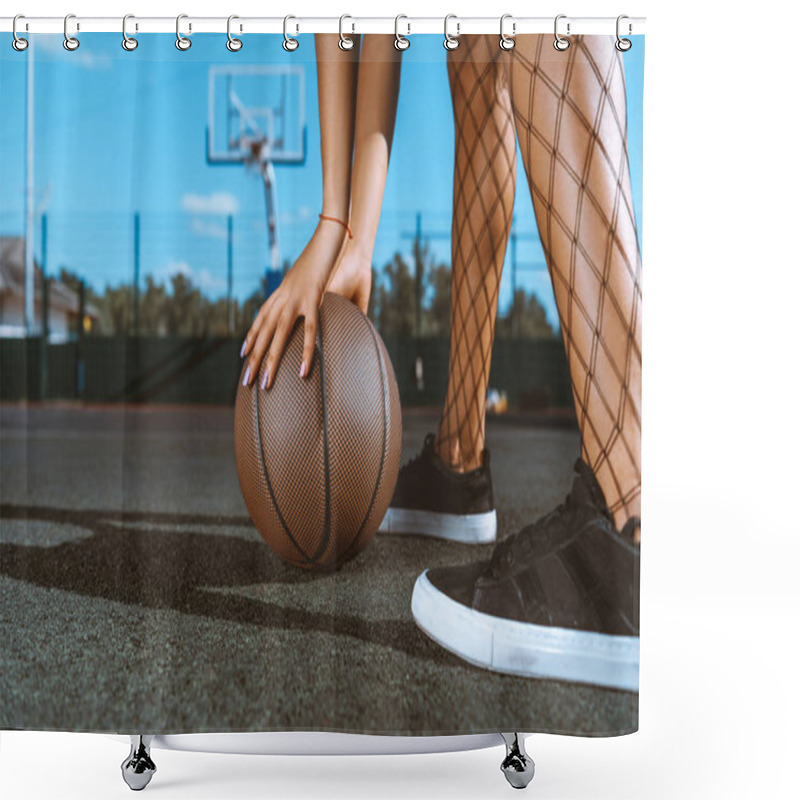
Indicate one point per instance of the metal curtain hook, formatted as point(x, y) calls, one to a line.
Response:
point(181, 42)
point(345, 42)
point(560, 43)
point(623, 45)
point(233, 44)
point(289, 44)
point(507, 42)
point(19, 44)
point(400, 42)
point(451, 42)
point(70, 42)
point(128, 42)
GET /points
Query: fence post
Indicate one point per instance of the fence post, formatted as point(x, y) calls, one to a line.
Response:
point(80, 361)
point(45, 310)
point(514, 315)
point(136, 255)
point(418, 266)
point(230, 274)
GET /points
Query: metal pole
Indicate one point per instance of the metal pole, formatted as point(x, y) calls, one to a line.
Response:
point(136, 252)
point(230, 274)
point(268, 174)
point(248, 25)
point(514, 320)
point(45, 308)
point(81, 340)
point(229, 109)
point(418, 278)
point(29, 210)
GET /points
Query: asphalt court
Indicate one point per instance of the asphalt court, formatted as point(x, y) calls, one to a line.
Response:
point(138, 597)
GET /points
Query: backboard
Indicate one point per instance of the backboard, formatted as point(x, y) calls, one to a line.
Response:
point(256, 113)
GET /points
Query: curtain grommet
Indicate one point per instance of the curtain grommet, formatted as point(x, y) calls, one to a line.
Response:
point(129, 43)
point(451, 42)
point(345, 42)
point(18, 43)
point(560, 43)
point(507, 42)
point(623, 45)
point(401, 42)
point(233, 44)
point(71, 43)
point(181, 42)
point(290, 44)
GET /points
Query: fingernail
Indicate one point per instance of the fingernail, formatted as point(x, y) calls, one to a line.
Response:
point(264, 379)
point(241, 352)
point(303, 369)
point(246, 376)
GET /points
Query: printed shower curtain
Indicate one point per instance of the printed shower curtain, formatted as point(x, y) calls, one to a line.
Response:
point(204, 526)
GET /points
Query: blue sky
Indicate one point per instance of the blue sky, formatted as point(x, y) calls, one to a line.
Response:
point(118, 132)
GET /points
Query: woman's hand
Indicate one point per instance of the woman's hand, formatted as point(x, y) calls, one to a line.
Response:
point(299, 295)
point(352, 277)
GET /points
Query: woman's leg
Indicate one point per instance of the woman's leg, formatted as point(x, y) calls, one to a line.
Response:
point(446, 492)
point(560, 598)
point(376, 108)
point(570, 115)
point(483, 202)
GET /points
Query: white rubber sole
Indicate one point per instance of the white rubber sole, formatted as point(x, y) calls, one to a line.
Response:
point(519, 648)
point(464, 528)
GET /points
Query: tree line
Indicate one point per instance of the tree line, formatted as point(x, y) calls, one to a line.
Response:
point(408, 298)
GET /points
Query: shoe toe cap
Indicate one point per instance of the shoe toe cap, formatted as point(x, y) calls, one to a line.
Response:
point(458, 582)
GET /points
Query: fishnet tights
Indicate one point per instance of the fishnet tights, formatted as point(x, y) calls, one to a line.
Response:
point(570, 117)
point(483, 203)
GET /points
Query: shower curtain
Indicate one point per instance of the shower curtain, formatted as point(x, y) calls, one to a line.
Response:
point(172, 218)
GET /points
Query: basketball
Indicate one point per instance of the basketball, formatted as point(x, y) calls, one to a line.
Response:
point(317, 457)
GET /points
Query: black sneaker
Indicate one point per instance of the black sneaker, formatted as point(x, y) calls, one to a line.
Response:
point(559, 599)
point(433, 500)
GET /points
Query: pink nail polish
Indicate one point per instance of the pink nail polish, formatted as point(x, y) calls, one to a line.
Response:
point(246, 376)
point(241, 352)
point(303, 369)
point(265, 379)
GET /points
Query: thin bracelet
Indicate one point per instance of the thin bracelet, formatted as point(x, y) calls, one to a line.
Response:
point(340, 221)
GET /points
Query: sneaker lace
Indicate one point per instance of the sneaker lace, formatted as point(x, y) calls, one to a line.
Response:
point(520, 544)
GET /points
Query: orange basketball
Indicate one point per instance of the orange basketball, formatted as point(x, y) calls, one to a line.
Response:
point(318, 457)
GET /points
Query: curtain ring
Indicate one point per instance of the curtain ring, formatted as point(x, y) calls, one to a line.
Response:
point(560, 43)
point(181, 42)
point(507, 42)
point(128, 42)
point(19, 44)
point(623, 45)
point(451, 42)
point(289, 44)
point(400, 42)
point(70, 42)
point(233, 44)
point(345, 42)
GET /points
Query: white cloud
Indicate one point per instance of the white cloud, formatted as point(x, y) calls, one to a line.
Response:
point(178, 267)
point(301, 214)
point(205, 228)
point(205, 280)
point(214, 203)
